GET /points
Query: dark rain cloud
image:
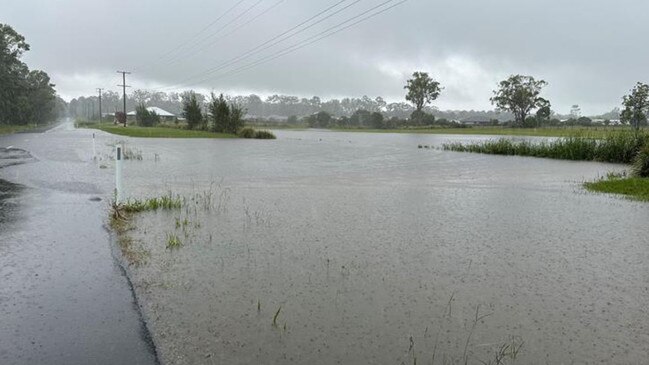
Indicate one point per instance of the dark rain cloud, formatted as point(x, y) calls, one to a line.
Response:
point(591, 52)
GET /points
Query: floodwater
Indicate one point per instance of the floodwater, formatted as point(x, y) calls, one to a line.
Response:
point(63, 298)
point(329, 247)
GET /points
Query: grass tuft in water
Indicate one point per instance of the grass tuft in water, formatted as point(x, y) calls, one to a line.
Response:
point(276, 315)
point(173, 241)
point(165, 202)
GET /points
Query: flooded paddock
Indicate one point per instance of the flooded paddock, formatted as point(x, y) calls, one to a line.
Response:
point(327, 247)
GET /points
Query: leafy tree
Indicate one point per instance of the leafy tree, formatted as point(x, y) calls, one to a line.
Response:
point(192, 110)
point(421, 118)
point(226, 117)
point(320, 120)
point(376, 120)
point(220, 111)
point(636, 106)
point(422, 90)
point(236, 118)
point(544, 113)
point(360, 118)
point(520, 95)
point(25, 96)
point(146, 118)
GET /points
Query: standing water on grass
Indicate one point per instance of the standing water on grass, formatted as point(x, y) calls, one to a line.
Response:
point(354, 248)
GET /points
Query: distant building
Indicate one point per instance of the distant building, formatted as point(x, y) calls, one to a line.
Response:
point(476, 121)
point(163, 114)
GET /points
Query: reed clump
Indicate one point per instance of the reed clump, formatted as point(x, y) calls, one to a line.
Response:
point(616, 147)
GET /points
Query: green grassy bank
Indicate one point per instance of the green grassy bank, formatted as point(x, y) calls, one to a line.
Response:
point(153, 132)
point(634, 187)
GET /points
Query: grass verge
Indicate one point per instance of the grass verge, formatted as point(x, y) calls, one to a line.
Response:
point(153, 132)
point(635, 188)
point(10, 128)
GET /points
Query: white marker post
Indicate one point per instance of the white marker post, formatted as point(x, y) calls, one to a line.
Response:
point(118, 173)
point(94, 148)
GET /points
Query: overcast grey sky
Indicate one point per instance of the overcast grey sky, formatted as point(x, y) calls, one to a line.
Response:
point(590, 51)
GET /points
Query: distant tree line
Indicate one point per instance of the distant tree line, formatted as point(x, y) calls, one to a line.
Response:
point(279, 107)
point(518, 103)
point(26, 96)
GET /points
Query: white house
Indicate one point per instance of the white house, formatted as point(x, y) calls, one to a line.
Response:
point(163, 114)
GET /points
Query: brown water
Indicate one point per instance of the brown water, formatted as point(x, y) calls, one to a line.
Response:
point(380, 252)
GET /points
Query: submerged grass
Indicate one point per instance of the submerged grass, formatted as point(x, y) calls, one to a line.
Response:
point(166, 202)
point(616, 147)
point(121, 222)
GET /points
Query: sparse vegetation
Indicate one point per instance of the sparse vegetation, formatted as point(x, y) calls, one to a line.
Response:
point(164, 202)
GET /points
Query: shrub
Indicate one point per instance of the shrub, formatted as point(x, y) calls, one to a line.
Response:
point(247, 133)
point(264, 135)
point(251, 133)
point(640, 167)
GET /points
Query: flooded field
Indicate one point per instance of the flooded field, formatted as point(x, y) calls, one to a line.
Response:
point(324, 247)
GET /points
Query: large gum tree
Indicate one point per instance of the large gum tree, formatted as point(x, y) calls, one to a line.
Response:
point(422, 90)
point(520, 95)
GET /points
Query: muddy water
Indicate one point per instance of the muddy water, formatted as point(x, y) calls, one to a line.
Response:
point(379, 252)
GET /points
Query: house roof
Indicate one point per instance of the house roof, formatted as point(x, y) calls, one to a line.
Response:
point(159, 111)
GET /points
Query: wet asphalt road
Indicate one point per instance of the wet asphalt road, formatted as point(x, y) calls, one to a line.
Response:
point(64, 299)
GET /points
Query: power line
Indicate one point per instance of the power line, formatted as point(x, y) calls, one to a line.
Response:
point(200, 49)
point(206, 46)
point(183, 44)
point(278, 37)
point(313, 39)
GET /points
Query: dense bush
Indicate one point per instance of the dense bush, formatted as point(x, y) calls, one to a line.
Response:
point(247, 133)
point(264, 135)
point(251, 133)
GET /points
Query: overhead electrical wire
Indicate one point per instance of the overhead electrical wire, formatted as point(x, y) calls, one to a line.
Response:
point(300, 45)
point(274, 40)
point(308, 41)
point(183, 44)
point(214, 41)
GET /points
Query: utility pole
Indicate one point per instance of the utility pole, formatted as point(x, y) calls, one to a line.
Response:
point(99, 90)
point(124, 86)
